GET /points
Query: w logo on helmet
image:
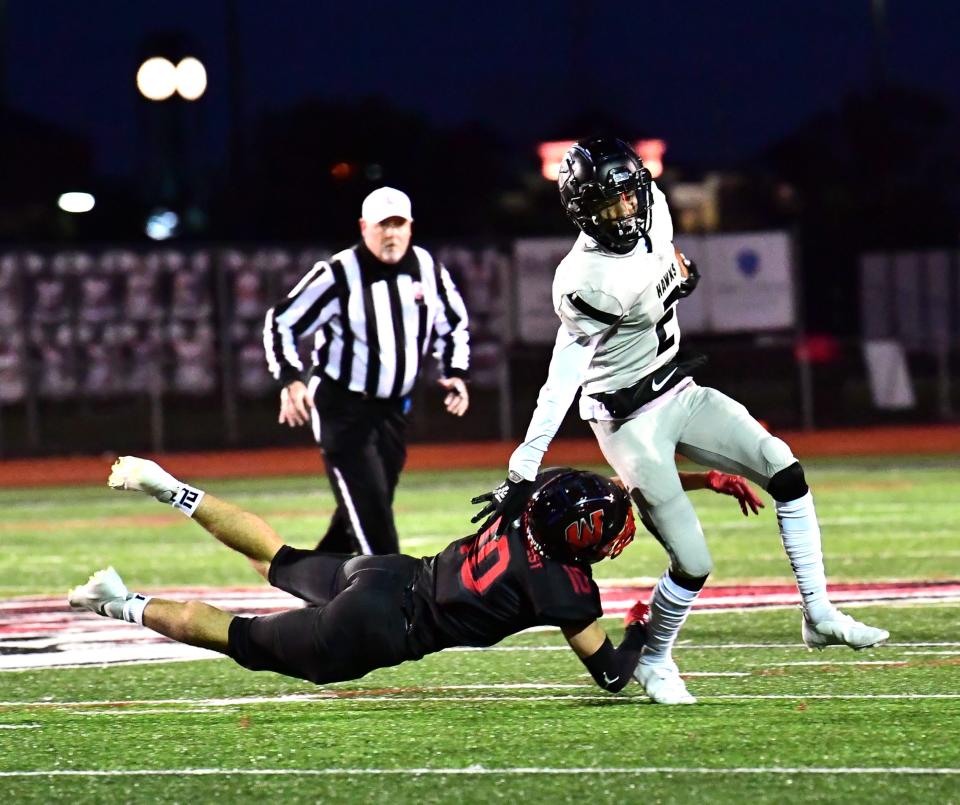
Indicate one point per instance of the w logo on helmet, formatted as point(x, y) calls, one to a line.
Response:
point(583, 534)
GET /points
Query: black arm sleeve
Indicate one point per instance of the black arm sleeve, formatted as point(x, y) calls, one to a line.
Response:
point(611, 668)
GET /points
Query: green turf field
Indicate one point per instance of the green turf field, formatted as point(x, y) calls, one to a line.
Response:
point(774, 722)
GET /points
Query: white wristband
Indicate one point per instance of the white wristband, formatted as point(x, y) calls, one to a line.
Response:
point(133, 608)
point(187, 498)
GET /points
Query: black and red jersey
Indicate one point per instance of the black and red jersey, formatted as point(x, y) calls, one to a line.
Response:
point(485, 587)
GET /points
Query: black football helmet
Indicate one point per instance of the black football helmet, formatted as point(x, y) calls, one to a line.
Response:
point(594, 175)
point(579, 517)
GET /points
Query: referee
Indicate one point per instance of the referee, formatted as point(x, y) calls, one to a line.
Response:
point(373, 310)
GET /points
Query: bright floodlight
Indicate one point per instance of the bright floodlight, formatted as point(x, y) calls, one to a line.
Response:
point(191, 78)
point(76, 202)
point(157, 79)
point(162, 224)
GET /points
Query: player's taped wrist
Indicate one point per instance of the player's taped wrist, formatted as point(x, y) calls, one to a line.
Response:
point(187, 499)
point(611, 668)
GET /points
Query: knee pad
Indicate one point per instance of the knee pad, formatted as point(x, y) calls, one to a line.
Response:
point(682, 580)
point(788, 484)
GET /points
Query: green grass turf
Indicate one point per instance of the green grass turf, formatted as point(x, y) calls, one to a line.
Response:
point(880, 522)
point(404, 718)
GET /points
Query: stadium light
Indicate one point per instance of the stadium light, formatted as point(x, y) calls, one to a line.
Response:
point(191, 78)
point(76, 202)
point(157, 79)
point(650, 151)
point(162, 224)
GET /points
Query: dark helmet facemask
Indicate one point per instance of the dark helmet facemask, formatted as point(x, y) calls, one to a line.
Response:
point(596, 174)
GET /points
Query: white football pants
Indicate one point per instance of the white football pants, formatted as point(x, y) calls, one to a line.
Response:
point(705, 426)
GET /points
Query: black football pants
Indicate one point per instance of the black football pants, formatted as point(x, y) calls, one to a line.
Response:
point(361, 618)
point(363, 443)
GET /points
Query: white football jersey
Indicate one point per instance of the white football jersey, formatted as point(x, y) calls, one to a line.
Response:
point(618, 323)
point(629, 300)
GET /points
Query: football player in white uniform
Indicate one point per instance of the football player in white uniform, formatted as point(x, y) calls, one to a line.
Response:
point(616, 294)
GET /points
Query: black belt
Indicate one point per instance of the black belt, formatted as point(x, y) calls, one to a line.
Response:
point(623, 402)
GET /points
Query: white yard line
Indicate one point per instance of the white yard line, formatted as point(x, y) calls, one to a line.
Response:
point(19, 726)
point(685, 644)
point(688, 646)
point(484, 771)
point(828, 662)
point(411, 695)
point(832, 696)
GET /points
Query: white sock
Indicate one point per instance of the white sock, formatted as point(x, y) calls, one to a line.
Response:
point(187, 498)
point(133, 608)
point(669, 606)
point(128, 609)
point(800, 533)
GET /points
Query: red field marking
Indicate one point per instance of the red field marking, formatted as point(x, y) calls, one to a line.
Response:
point(43, 632)
point(912, 439)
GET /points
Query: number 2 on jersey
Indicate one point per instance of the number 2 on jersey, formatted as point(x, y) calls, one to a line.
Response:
point(668, 330)
point(487, 557)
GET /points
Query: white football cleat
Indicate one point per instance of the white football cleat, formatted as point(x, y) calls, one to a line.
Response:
point(101, 588)
point(143, 475)
point(841, 630)
point(663, 684)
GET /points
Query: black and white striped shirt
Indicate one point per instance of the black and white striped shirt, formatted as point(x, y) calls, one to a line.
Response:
point(372, 323)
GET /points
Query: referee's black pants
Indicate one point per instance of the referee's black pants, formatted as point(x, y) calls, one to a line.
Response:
point(363, 443)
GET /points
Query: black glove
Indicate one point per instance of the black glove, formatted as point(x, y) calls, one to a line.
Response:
point(506, 500)
point(689, 283)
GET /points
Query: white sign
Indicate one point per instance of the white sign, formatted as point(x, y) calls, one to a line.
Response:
point(748, 280)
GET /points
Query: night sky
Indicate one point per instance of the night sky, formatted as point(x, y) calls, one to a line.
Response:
point(716, 80)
